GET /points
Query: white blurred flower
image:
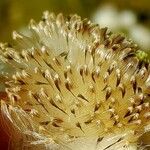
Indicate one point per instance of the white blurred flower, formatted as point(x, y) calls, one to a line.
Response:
point(125, 20)
point(141, 35)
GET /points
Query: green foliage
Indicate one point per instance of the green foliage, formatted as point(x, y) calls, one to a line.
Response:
point(142, 55)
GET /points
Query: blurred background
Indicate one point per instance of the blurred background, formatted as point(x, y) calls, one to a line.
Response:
point(131, 17)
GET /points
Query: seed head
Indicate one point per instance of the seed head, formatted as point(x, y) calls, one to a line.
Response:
point(74, 85)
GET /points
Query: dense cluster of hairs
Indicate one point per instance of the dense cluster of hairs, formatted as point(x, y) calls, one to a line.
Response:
point(74, 85)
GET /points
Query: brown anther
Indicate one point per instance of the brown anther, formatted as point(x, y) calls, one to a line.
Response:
point(134, 83)
point(118, 76)
point(57, 82)
point(68, 84)
point(56, 61)
point(108, 92)
point(122, 89)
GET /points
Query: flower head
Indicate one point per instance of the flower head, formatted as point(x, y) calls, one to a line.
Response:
point(74, 85)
